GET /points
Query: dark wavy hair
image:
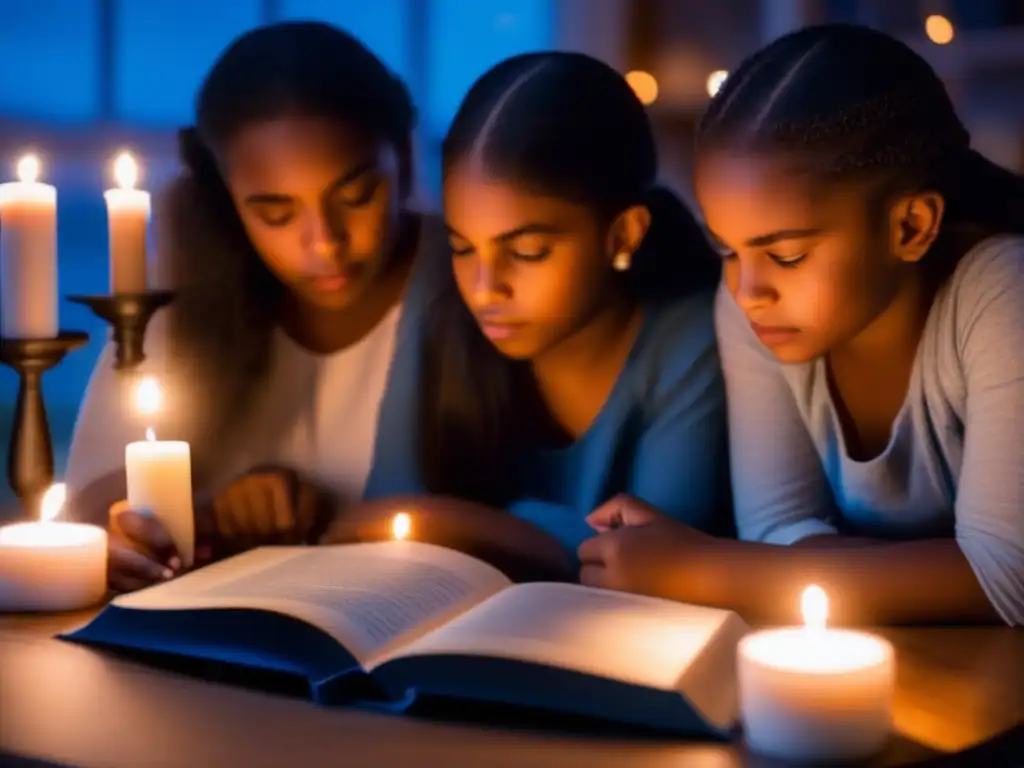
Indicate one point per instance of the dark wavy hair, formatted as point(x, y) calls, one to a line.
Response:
point(228, 301)
point(852, 102)
point(562, 125)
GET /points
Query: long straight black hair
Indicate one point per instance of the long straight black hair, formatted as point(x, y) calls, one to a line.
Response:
point(562, 125)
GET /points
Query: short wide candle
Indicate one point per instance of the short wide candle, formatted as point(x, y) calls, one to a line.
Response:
point(52, 566)
point(159, 478)
point(816, 694)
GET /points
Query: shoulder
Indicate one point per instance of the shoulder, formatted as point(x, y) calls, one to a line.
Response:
point(986, 292)
point(678, 346)
point(432, 263)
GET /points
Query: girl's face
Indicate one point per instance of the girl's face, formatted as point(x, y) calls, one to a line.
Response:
point(808, 263)
point(533, 270)
point(320, 201)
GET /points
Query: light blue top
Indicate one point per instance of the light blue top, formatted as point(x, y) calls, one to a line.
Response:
point(954, 464)
point(661, 435)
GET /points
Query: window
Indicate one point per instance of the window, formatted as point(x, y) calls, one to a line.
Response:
point(382, 25)
point(50, 59)
point(466, 38)
point(164, 50)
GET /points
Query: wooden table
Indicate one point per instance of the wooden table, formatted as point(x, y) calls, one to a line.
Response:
point(73, 705)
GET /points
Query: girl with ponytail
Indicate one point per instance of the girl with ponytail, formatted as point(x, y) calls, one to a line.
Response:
point(871, 327)
point(571, 354)
point(300, 272)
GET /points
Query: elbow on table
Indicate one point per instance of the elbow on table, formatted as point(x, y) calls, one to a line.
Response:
point(998, 564)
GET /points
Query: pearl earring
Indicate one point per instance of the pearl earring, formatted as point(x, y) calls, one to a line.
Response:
point(622, 261)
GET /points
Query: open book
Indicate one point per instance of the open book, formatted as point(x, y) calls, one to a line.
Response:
point(420, 619)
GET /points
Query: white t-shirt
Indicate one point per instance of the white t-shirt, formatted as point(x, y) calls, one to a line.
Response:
point(316, 414)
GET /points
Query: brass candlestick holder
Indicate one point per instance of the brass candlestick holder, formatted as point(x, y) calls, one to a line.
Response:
point(30, 458)
point(128, 315)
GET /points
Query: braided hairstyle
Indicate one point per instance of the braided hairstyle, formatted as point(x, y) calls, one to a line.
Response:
point(561, 125)
point(228, 300)
point(848, 101)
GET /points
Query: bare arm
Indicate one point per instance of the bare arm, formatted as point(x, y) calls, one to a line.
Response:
point(867, 582)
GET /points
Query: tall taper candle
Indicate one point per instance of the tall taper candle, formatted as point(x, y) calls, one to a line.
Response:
point(28, 255)
point(128, 219)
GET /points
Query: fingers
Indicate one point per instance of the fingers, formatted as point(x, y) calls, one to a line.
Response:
point(256, 507)
point(607, 517)
point(593, 551)
point(594, 576)
point(129, 570)
point(146, 534)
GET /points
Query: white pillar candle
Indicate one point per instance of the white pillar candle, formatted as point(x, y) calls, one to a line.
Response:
point(816, 694)
point(28, 255)
point(50, 565)
point(159, 476)
point(128, 211)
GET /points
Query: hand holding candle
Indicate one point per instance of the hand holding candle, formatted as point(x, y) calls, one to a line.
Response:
point(128, 211)
point(816, 694)
point(50, 565)
point(28, 255)
point(159, 477)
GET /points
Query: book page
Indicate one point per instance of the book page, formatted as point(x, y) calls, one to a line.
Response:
point(371, 598)
point(629, 638)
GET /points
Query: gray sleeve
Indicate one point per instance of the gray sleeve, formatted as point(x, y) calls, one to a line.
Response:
point(990, 497)
point(780, 491)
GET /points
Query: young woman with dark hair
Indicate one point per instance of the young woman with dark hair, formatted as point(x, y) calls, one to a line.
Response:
point(871, 328)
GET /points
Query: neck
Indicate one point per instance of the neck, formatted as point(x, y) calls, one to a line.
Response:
point(897, 331)
point(591, 350)
point(326, 330)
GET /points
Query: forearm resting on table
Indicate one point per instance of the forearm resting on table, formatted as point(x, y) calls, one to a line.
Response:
point(516, 546)
point(867, 582)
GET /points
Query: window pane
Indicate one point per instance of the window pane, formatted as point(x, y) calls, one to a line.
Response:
point(468, 37)
point(382, 25)
point(50, 57)
point(166, 47)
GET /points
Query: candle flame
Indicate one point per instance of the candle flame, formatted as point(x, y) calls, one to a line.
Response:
point(149, 397)
point(814, 607)
point(126, 171)
point(400, 526)
point(150, 435)
point(53, 502)
point(29, 168)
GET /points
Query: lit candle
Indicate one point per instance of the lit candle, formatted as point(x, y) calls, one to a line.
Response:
point(50, 565)
point(159, 477)
point(28, 255)
point(401, 525)
point(128, 219)
point(815, 694)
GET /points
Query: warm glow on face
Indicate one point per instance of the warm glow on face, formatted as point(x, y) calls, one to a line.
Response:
point(53, 502)
point(150, 435)
point(126, 171)
point(644, 86)
point(715, 81)
point(814, 606)
point(939, 29)
point(29, 168)
point(400, 526)
point(148, 396)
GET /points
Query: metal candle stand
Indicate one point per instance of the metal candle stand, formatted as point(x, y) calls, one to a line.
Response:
point(30, 457)
point(128, 315)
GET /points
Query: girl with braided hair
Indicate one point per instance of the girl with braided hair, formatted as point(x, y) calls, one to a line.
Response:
point(289, 355)
point(871, 329)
